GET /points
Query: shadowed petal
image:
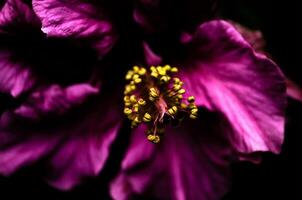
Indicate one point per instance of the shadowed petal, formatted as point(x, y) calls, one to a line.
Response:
point(25, 150)
point(191, 162)
point(294, 90)
point(76, 19)
point(77, 145)
point(15, 14)
point(225, 74)
point(14, 77)
point(86, 147)
point(253, 37)
point(150, 57)
point(55, 100)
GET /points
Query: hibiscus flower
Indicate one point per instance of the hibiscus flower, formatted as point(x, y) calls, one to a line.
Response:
point(234, 96)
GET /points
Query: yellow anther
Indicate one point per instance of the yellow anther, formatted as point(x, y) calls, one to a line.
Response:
point(132, 87)
point(173, 110)
point(152, 99)
point(136, 69)
point(136, 120)
point(164, 79)
point(129, 76)
point(194, 111)
point(174, 69)
point(126, 98)
point(127, 111)
point(153, 93)
point(152, 68)
point(191, 99)
point(176, 87)
point(156, 139)
point(192, 116)
point(162, 72)
point(179, 96)
point(192, 106)
point(142, 71)
point(128, 103)
point(128, 89)
point(153, 138)
point(154, 74)
point(176, 80)
point(141, 102)
point(167, 67)
point(183, 106)
point(135, 76)
point(133, 99)
point(133, 124)
point(135, 108)
point(138, 80)
point(147, 117)
point(181, 91)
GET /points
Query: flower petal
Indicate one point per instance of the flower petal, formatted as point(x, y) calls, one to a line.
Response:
point(15, 79)
point(21, 149)
point(225, 74)
point(14, 14)
point(86, 147)
point(77, 146)
point(191, 162)
point(76, 19)
point(55, 100)
point(253, 37)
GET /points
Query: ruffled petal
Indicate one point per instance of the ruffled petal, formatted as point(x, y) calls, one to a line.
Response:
point(77, 146)
point(21, 149)
point(16, 13)
point(55, 100)
point(86, 147)
point(76, 19)
point(254, 37)
point(191, 162)
point(225, 74)
point(15, 78)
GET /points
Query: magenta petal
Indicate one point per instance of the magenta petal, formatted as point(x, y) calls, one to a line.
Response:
point(86, 147)
point(15, 78)
point(55, 100)
point(18, 150)
point(191, 162)
point(253, 37)
point(15, 13)
point(150, 57)
point(76, 19)
point(225, 74)
point(76, 148)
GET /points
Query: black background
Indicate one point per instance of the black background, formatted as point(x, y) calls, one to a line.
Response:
point(276, 177)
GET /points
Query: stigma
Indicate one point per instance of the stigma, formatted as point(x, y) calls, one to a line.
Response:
point(156, 97)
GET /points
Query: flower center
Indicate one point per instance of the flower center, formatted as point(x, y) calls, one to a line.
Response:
point(156, 97)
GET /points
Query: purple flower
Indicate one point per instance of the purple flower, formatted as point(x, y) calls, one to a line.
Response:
point(241, 98)
point(53, 102)
point(63, 108)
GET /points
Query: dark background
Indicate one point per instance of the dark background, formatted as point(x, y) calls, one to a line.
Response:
point(277, 176)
